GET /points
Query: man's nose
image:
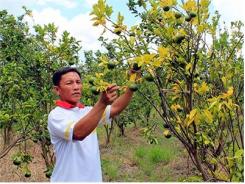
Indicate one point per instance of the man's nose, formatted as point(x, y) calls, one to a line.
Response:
point(77, 86)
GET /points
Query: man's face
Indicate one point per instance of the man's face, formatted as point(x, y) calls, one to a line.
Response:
point(69, 88)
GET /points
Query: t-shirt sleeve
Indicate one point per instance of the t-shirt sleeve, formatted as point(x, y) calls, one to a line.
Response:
point(60, 125)
point(105, 119)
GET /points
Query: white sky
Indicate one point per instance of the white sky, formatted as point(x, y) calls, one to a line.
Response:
point(73, 15)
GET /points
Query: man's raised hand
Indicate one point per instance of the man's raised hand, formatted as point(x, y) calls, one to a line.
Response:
point(110, 95)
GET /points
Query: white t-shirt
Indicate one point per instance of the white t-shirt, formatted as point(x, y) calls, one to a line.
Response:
point(76, 161)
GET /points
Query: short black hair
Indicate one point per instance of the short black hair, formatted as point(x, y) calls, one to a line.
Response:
point(58, 74)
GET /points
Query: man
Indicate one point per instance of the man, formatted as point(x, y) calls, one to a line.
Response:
point(72, 127)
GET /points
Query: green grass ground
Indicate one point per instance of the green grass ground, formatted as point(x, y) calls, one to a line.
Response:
point(132, 159)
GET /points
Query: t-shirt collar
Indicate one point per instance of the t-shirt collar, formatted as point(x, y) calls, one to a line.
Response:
point(67, 105)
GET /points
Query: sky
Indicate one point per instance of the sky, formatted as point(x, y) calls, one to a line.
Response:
point(73, 15)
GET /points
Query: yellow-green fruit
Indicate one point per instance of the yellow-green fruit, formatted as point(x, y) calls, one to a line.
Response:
point(166, 8)
point(48, 174)
point(35, 140)
point(179, 39)
point(91, 81)
point(192, 14)
point(8, 58)
point(188, 18)
point(71, 63)
point(131, 34)
point(94, 90)
point(167, 134)
point(111, 65)
point(177, 15)
point(118, 32)
point(133, 87)
point(136, 67)
point(148, 77)
point(165, 125)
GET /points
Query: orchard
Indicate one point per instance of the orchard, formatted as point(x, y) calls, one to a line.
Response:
point(191, 77)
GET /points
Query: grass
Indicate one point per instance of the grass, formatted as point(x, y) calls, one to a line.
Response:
point(158, 154)
point(132, 159)
point(109, 169)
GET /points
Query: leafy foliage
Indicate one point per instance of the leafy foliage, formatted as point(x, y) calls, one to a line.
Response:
point(27, 62)
point(197, 69)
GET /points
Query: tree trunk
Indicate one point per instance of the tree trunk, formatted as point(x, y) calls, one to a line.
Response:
point(6, 136)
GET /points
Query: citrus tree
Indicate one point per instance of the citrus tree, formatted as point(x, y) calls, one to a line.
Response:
point(196, 66)
point(27, 62)
point(101, 69)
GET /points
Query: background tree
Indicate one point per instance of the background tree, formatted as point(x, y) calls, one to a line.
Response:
point(28, 61)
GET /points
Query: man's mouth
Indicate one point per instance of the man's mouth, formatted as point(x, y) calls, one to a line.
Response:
point(75, 94)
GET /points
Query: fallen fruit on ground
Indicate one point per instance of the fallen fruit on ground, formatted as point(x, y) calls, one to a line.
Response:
point(27, 174)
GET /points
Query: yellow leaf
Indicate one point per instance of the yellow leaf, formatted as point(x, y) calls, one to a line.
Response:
point(188, 67)
point(157, 62)
point(179, 120)
point(213, 104)
point(147, 57)
point(190, 5)
point(176, 88)
point(192, 113)
point(163, 52)
point(132, 77)
point(213, 161)
point(175, 107)
point(228, 93)
point(182, 32)
point(169, 15)
point(201, 28)
point(208, 116)
point(190, 117)
point(206, 142)
point(98, 75)
point(197, 118)
point(195, 87)
point(157, 31)
point(229, 104)
point(150, 71)
point(144, 59)
point(132, 41)
point(205, 3)
point(203, 89)
point(221, 175)
point(167, 3)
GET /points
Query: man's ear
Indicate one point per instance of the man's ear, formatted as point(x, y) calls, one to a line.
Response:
point(56, 90)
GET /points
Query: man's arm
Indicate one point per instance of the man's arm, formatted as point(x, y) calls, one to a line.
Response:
point(121, 103)
point(89, 122)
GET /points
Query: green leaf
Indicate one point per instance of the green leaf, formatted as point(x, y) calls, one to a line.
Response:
point(239, 153)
